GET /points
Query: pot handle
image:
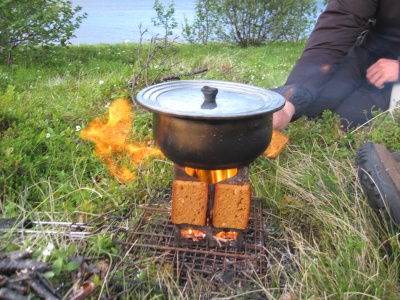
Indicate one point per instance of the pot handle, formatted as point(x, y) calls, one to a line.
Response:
point(210, 95)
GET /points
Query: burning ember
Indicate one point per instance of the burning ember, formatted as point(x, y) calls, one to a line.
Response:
point(196, 235)
point(227, 235)
point(193, 234)
point(189, 235)
point(110, 140)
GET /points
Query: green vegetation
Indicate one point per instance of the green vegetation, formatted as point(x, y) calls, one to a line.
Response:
point(48, 172)
point(31, 23)
point(250, 22)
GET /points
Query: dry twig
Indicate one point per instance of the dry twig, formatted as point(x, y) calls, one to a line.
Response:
point(179, 75)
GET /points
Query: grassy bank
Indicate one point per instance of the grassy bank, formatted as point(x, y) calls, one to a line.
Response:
point(338, 249)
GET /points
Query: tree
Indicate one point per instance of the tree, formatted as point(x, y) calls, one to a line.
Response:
point(251, 22)
point(292, 19)
point(203, 28)
point(36, 22)
point(165, 18)
point(244, 22)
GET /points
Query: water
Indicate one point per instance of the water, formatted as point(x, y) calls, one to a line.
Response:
point(117, 21)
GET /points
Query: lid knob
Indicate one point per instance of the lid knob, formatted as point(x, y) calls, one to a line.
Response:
point(210, 94)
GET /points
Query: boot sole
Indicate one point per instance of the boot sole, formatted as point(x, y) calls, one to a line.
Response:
point(375, 173)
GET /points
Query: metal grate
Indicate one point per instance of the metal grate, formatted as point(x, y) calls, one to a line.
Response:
point(151, 242)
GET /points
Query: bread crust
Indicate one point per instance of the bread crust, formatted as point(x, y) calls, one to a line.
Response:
point(189, 202)
point(278, 143)
point(231, 206)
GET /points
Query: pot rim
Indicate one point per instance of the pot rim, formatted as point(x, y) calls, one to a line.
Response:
point(234, 100)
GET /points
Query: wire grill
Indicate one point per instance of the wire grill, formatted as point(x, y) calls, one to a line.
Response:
point(151, 243)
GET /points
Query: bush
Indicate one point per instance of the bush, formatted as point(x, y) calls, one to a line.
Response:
point(35, 22)
point(203, 27)
point(250, 22)
point(292, 19)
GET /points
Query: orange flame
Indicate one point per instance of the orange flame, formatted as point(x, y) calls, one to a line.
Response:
point(110, 139)
point(211, 176)
point(226, 235)
point(193, 234)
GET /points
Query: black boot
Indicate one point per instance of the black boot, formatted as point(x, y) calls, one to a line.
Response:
point(298, 95)
point(379, 175)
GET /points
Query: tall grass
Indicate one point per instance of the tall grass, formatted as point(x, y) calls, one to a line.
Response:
point(47, 172)
point(342, 248)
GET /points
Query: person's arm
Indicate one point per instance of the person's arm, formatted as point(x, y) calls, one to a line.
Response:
point(339, 26)
point(336, 31)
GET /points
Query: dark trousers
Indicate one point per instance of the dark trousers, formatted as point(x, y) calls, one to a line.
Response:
point(341, 87)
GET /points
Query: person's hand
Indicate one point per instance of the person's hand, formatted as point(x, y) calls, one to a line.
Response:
point(384, 70)
point(282, 117)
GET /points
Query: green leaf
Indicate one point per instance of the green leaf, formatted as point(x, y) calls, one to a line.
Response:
point(72, 266)
point(49, 274)
point(57, 265)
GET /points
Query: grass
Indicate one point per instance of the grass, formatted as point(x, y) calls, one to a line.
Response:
point(48, 172)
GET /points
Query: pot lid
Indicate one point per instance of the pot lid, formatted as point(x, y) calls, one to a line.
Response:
point(209, 99)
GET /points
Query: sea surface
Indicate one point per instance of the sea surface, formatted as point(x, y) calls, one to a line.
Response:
point(118, 21)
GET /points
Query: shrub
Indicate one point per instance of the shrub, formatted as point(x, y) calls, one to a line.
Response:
point(250, 22)
point(35, 22)
point(203, 27)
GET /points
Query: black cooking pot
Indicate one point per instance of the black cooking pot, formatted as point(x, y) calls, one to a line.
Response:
point(211, 125)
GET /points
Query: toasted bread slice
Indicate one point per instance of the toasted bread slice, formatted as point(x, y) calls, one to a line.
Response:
point(278, 143)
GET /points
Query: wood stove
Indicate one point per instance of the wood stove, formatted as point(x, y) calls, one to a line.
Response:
point(210, 207)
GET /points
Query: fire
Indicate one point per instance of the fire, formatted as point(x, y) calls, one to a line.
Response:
point(110, 139)
point(193, 234)
point(211, 176)
point(226, 235)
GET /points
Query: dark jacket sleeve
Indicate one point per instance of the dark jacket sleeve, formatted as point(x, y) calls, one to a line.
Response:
point(339, 26)
point(335, 32)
